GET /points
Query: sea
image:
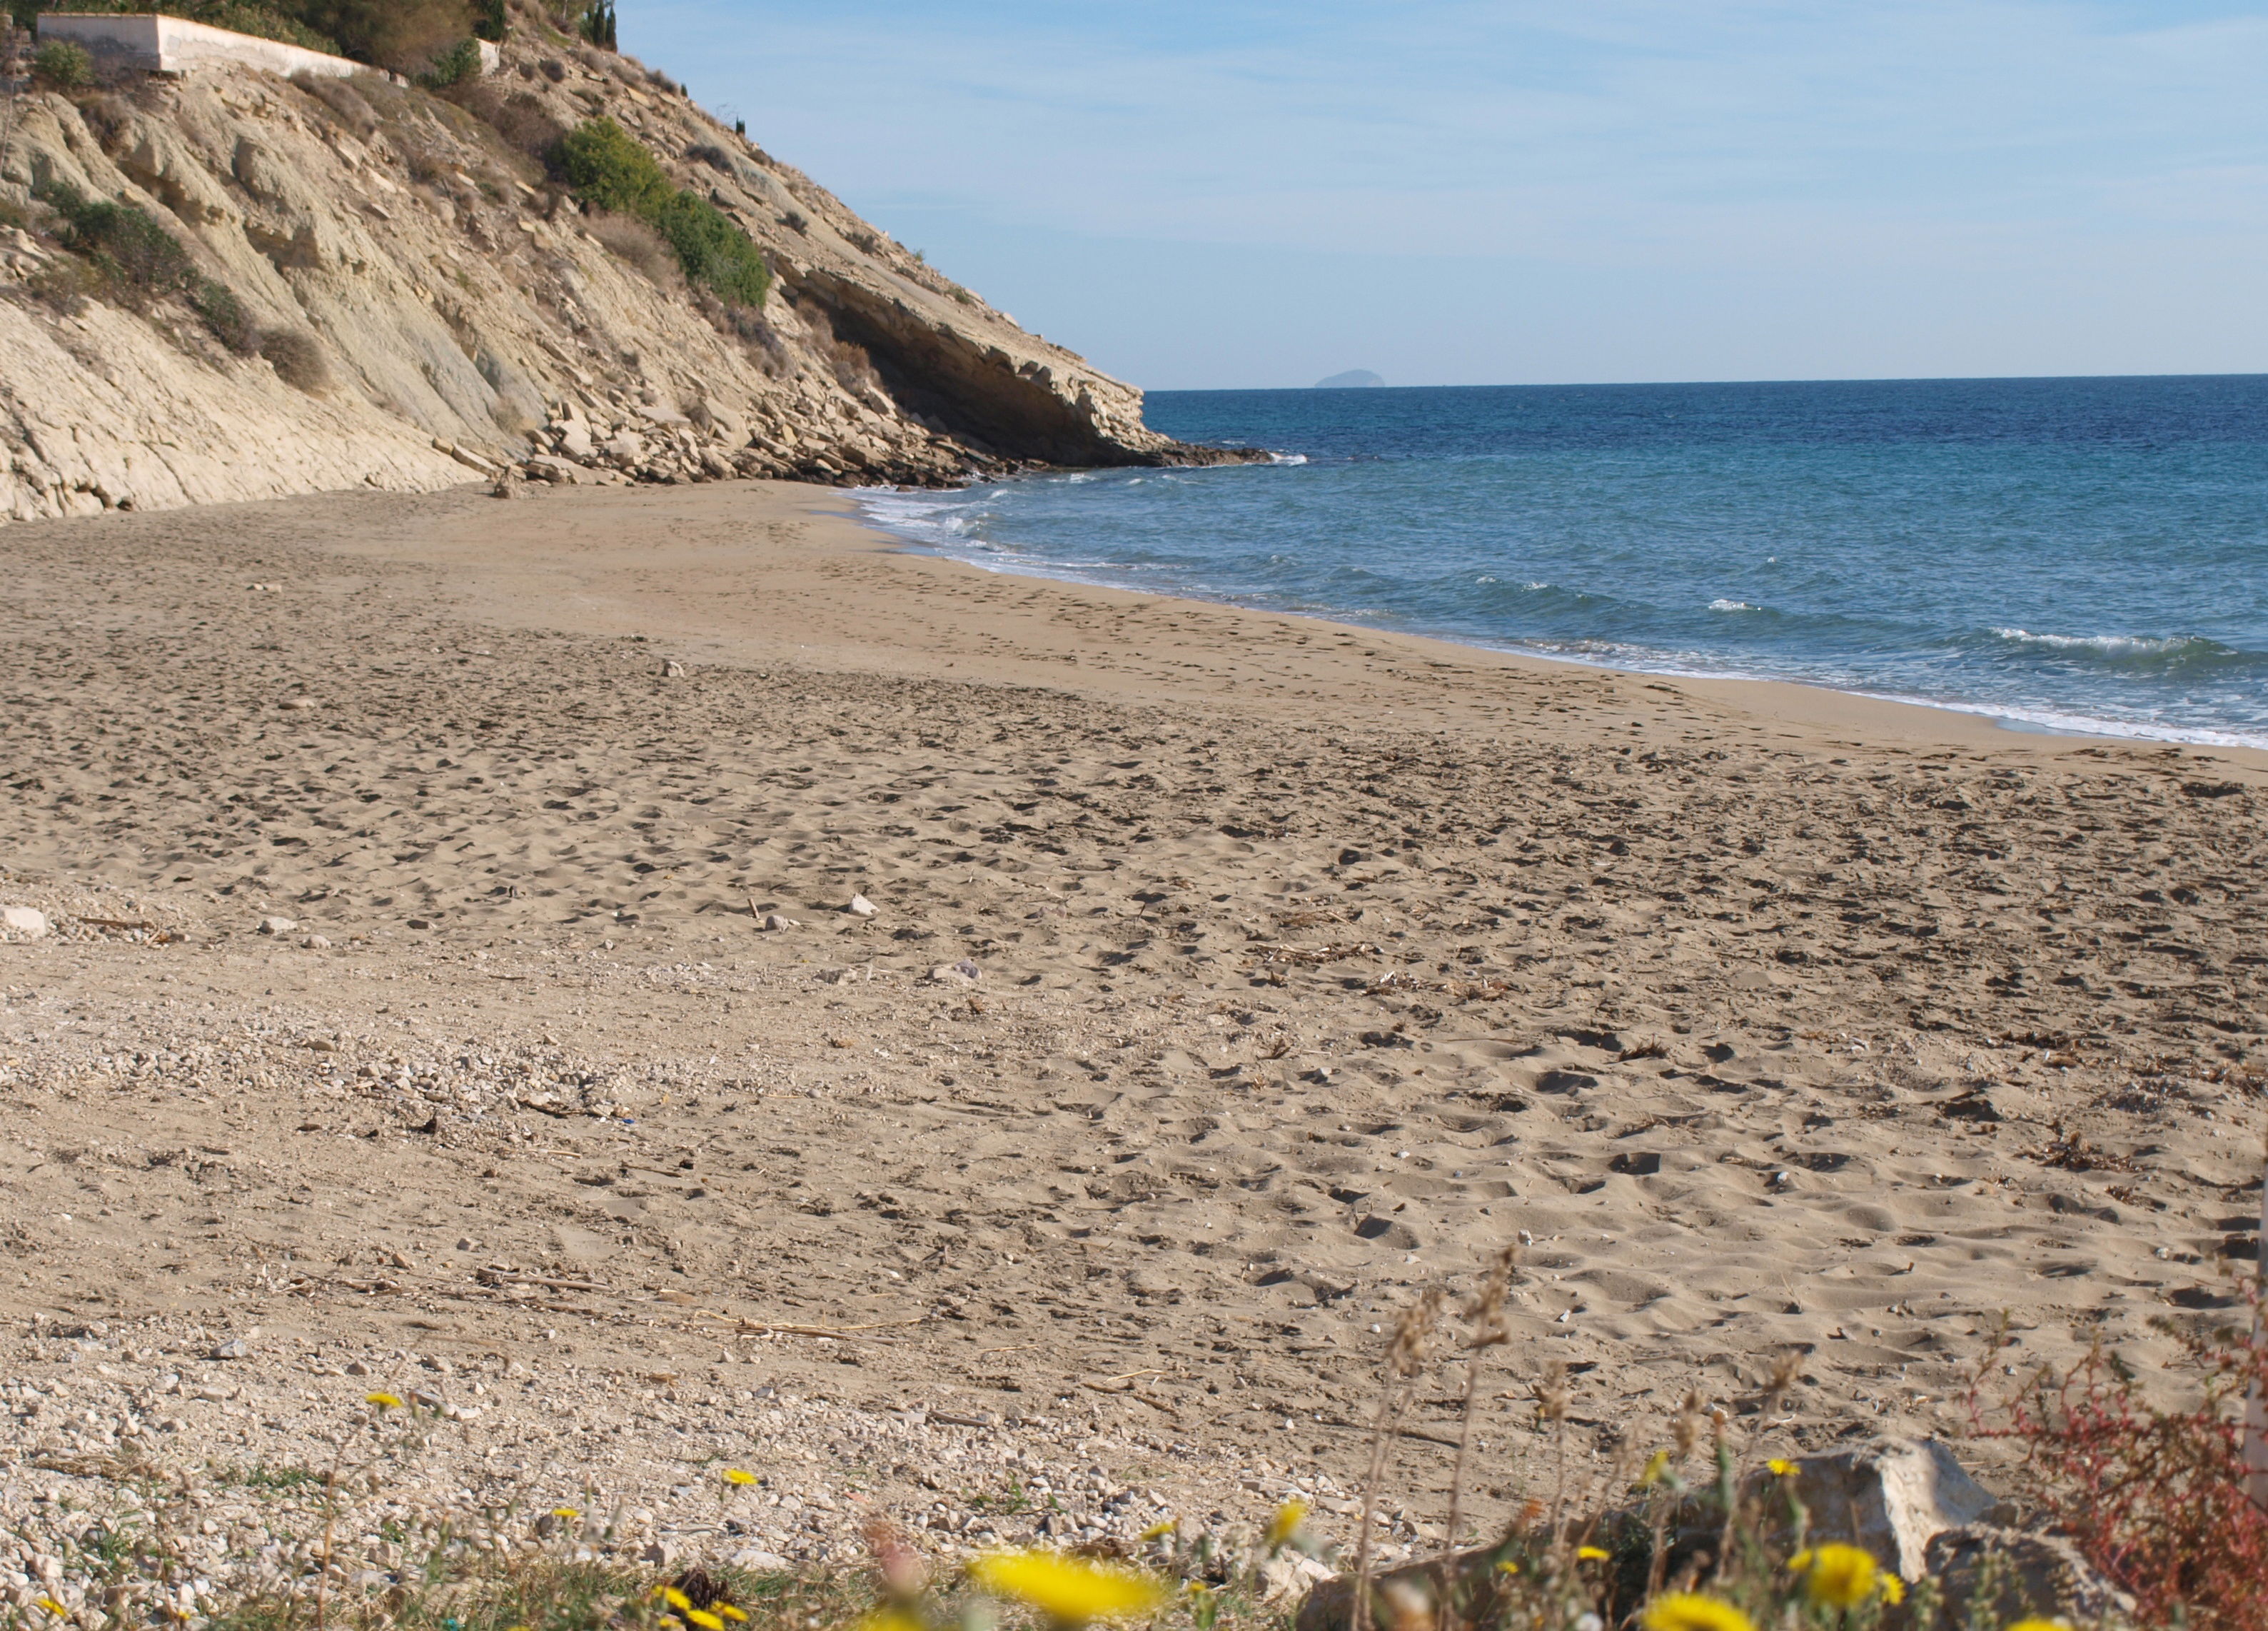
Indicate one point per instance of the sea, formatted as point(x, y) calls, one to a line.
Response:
point(2082, 555)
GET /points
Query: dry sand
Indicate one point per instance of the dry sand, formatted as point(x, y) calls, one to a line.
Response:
point(1313, 966)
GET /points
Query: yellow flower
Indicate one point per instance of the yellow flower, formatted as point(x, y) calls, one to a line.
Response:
point(885, 1620)
point(1656, 1470)
point(1064, 1589)
point(731, 1613)
point(1837, 1575)
point(1893, 1590)
point(1506, 1566)
point(1159, 1531)
point(1781, 1467)
point(1690, 1610)
point(384, 1401)
point(703, 1618)
point(564, 1512)
point(735, 1475)
point(1593, 1554)
point(2036, 1623)
point(1286, 1524)
point(675, 1598)
point(54, 1608)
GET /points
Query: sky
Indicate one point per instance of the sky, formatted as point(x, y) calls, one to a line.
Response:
point(1210, 193)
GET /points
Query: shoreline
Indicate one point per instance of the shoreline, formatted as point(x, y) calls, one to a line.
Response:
point(2049, 724)
point(1787, 701)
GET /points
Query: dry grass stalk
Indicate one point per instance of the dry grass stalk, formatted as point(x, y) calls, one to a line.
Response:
point(1406, 1359)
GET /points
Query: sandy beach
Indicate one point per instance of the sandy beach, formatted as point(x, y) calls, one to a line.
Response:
point(1230, 978)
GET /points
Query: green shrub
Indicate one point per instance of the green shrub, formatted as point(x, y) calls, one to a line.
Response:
point(225, 316)
point(608, 170)
point(713, 251)
point(127, 252)
point(460, 62)
point(488, 20)
point(124, 244)
point(61, 65)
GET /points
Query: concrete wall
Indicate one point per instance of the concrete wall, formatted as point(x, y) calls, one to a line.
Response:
point(173, 45)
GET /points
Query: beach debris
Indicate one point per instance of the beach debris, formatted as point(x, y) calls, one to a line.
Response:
point(961, 973)
point(774, 923)
point(28, 920)
point(860, 907)
point(276, 926)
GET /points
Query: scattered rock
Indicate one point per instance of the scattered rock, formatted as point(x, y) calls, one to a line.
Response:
point(961, 973)
point(276, 926)
point(1287, 1577)
point(316, 942)
point(235, 1348)
point(508, 485)
point(755, 1559)
point(671, 669)
point(860, 907)
point(27, 920)
point(297, 705)
point(1989, 1575)
point(774, 923)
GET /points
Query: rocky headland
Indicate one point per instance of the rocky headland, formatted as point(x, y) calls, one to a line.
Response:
point(379, 286)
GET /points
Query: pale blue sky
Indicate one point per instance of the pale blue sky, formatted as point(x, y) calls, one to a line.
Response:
point(1238, 193)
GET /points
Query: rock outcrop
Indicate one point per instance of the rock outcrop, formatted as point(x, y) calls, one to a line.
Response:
point(422, 303)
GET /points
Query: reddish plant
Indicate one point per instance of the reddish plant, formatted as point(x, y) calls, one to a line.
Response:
point(2154, 1497)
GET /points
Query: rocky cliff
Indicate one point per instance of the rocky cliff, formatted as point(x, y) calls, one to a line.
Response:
point(409, 295)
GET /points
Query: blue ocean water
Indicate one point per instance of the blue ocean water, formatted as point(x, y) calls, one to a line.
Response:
point(2082, 555)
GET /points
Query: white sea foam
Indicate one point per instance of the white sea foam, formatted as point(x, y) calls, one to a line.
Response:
point(2112, 644)
point(1725, 605)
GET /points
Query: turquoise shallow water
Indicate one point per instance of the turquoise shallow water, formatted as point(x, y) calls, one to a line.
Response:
point(2085, 555)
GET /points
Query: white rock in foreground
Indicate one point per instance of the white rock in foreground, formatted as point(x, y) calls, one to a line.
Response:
point(27, 920)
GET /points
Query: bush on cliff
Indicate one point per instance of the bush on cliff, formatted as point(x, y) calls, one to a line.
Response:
point(134, 258)
point(608, 170)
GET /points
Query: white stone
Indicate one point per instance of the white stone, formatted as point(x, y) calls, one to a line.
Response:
point(276, 926)
point(961, 973)
point(1891, 1497)
point(860, 906)
point(759, 1561)
point(774, 922)
point(24, 920)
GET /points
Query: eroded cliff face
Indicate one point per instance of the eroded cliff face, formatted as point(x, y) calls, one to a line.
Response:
point(442, 308)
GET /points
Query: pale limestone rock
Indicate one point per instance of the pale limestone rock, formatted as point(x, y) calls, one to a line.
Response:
point(29, 921)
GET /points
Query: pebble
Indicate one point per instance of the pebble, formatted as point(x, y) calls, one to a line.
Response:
point(671, 669)
point(295, 702)
point(774, 922)
point(276, 926)
point(235, 1348)
point(24, 920)
point(316, 942)
point(861, 907)
point(961, 973)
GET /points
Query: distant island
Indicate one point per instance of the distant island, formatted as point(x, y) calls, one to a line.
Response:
point(1349, 381)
